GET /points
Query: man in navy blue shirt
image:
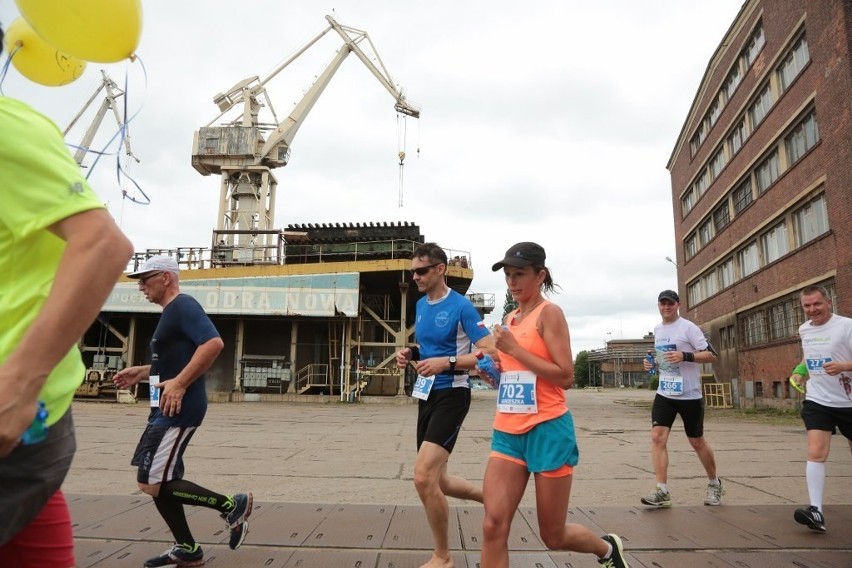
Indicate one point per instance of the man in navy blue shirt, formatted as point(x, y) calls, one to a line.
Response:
point(183, 347)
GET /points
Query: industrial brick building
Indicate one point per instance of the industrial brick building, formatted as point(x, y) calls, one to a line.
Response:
point(762, 188)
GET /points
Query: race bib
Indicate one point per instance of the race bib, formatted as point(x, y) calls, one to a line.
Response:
point(422, 387)
point(671, 385)
point(817, 362)
point(516, 393)
point(153, 390)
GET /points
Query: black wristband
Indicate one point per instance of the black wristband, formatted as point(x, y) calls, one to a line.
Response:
point(415, 353)
point(688, 357)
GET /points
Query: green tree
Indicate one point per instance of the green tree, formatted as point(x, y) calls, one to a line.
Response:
point(581, 369)
point(509, 304)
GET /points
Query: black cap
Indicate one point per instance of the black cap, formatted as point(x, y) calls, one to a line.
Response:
point(669, 295)
point(520, 255)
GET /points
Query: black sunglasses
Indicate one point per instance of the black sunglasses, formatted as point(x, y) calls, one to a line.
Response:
point(144, 279)
point(423, 270)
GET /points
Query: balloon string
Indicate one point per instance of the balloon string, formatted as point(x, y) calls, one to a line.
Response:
point(5, 68)
point(122, 132)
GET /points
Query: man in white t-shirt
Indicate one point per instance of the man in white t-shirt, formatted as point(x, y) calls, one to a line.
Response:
point(826, 370)
point(681, 348)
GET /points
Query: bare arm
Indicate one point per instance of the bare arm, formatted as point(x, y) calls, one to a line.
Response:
point(96, 253)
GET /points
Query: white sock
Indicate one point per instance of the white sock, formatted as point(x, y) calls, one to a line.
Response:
point(664, 487)
point(609, 553)
point(715, 482)
point(815, 474)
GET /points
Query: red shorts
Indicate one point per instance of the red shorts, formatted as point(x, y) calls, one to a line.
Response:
point(47, 542)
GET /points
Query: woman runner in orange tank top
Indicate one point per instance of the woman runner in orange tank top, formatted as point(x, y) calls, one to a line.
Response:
point(533, 429)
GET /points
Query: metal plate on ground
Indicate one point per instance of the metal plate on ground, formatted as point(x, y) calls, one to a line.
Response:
point(774, 524)
point(653, 528)
point(247, 556)
point(352, 526)
point(806, 559)
point(285, 524)
point(521, 536)
point(303, 558)
point(409, 529)
point(709, 531)
point(680, 559)
point(402, 559)
point(574, 516)
point(88, 510)
point(138, 523)
point(517, 560)
point(579, 560)
point(89, 552)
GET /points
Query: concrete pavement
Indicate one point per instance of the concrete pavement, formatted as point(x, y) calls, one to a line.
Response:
point(344, 472)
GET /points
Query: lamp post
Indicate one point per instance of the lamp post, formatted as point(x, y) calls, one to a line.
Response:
point(673, 262)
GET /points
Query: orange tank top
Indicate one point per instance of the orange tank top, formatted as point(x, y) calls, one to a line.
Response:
point(550, 398)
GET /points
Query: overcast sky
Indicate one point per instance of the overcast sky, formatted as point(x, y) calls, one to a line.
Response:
point(549, 121)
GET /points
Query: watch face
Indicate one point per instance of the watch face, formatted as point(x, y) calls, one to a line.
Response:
point(452, 360)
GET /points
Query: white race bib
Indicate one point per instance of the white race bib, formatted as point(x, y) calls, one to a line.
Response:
point(516, 393)
point(422, 387)
point(671, 385)
point(153, 390)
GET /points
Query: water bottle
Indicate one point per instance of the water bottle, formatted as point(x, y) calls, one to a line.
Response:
point(653, 362)
point(37, 431)
point(487, 366)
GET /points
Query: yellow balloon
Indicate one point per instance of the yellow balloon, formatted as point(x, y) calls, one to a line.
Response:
point(93, 30)
point(37, 60)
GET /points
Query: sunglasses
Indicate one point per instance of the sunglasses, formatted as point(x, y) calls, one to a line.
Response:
point(423, 270)
point(144, 279)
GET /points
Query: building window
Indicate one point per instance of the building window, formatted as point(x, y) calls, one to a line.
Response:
point(691, 246)
point(774, 243)
point(687, 202)
point(758, 109)
point(749, 260)
point(742, 196)
point(754, 46)
point(732, 81)
point(721, 216)
point(767, 172)
point(694, 292)
point(793, 64)
point(717, 163)
point(754, 329)
point(810, 221)
point(701, 183)
point(713, 113)
point(802, 138)
point(737, 137)
point(783, 323)
point(705, 232)
point(710, 284)
point(726, 273)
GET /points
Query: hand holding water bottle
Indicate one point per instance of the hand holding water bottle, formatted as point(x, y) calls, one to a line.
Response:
point(488, 368)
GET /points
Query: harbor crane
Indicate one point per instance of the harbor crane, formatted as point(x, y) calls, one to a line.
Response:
point(245, 151)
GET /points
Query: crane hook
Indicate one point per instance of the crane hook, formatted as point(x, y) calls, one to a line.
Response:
point(401, 157)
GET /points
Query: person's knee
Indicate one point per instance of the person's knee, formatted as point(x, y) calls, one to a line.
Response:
point(698, 444)
point(152, 490)
point(659, 437)
point(495, 528)
point(553, 536)
point(425, 478)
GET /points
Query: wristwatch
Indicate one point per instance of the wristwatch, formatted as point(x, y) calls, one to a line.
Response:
point(452, 363)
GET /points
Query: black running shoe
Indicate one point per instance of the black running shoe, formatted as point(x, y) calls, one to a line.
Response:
point(811, 517)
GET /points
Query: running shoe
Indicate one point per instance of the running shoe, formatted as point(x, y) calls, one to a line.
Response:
point(616, 559)
point(714, 493)
point(237, 519)
point(180, 555)
point(810, 517)
point(658, 498)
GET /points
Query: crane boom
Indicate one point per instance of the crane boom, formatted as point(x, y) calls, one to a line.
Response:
point(245, 151)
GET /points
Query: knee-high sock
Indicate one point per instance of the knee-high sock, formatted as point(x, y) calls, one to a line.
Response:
point(175, 517)
point(815, 474)
point(189, 493)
